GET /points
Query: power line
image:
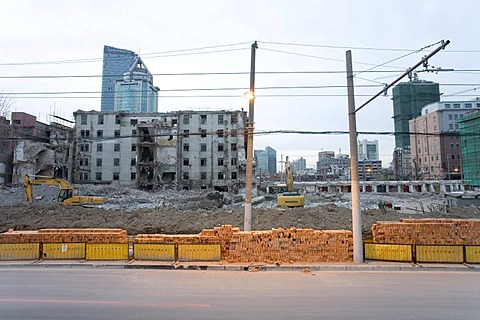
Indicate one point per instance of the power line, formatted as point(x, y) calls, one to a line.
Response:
point(154, 54)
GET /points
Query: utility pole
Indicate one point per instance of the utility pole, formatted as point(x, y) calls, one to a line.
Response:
point(355, 185)
point(248, 186)
point(356, 215)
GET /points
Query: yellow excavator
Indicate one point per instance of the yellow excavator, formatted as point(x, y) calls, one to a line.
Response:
point(290, 198)
point(66, 194)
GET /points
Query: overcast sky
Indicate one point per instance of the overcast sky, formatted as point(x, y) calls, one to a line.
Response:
point(292, 36)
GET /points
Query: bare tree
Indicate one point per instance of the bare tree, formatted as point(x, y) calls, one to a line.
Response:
point(6, 103)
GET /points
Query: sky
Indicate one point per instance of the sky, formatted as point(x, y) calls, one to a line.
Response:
point(301, 44)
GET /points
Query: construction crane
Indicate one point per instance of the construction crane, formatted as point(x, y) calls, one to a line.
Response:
point(66, 194)
point(290, 198)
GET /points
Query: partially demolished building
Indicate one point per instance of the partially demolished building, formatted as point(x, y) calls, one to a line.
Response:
point(34, 148)
point(179, 150)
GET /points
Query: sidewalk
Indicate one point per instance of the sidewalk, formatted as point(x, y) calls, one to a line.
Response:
point(369, 265)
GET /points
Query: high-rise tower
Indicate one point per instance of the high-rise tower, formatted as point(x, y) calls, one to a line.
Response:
point(408, 100)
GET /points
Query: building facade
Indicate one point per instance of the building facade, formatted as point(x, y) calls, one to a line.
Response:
point(470, 141)
point(408, 100)
point(180, 150)
point(331, 167)
point(435, 140)
point(266, 162)
point(369, 170)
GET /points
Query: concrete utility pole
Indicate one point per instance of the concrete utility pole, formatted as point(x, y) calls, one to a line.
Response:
point(352, 124)
point(356, 214)
point(249, 173)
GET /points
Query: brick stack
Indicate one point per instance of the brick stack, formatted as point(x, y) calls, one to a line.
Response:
point(291, 245)
point(276, 245)
point(65, 236)
point(428, 232)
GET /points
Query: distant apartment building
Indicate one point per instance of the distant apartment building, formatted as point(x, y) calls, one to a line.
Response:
point(127, 85)
point(180, 150)
point(402, 163)
point(408, 100)
point(368, 150)
point(435, 139)
point(369, 170)
point(299, 165)
point(331, 167)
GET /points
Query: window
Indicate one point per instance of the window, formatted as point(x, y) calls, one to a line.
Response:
point(456, 125)
point(87, 133)
point(98, 176)
point(100, 119)
point(461, 116)
point(133, 176)
point(220, 133)
point(220, 176)
point(220, 161)
point(233, 175)
point(117, 133)
point(186, 119)
point(116, 162)
point(99, 147)
point(84, 119)
point(233, 161)
point(186, 147)
point(117, 119)
point(80, 162)
point(203, 175)
point(203, 162)
point(186, 161)
point(185, 175)
point(186, 133)
point(447, 105)
point(133, 161)
point(133, 122)
point(82, 147)
point(233, 118)
point(233, 133)
point(457, 146)
point(468, 105)
point(203, 133)
point(203, 119)
point(450, 126)
point(455, 117)
point(82, 133)
point(451, 145)
point(220, 119)
point(452, 156)
point(220, 147)
point(450, 117)
point(456, 105)
point(134, 147)
point(116, 176)
point(134, 132)
point(86, 162)
point(233, 147)
point(99, 133)
point(203, 147)
point(116, 147)
point(99, 162)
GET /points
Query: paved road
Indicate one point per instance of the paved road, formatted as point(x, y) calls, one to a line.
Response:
point(87, 293)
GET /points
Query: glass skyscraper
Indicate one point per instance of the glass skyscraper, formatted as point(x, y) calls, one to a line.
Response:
point(127, 85)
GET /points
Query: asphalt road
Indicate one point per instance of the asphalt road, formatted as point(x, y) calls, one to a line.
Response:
point(89, 293)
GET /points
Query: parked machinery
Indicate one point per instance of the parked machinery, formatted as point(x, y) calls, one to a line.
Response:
point(290, 198)
point(66, 194)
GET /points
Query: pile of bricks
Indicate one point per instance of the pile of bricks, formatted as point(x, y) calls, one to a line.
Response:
point(65, 236)
point(291, 245)
point(428, 232)
point(276, 245)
